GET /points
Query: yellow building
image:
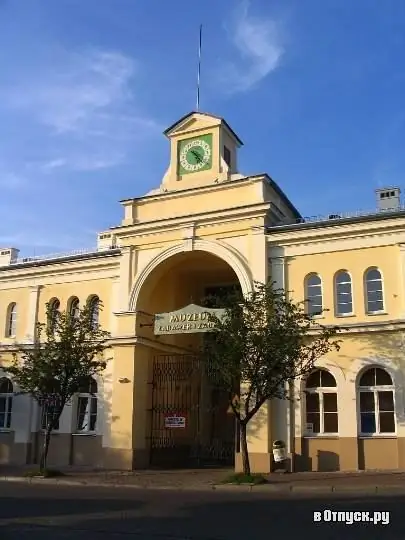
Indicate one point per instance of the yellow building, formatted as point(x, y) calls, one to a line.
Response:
point(208, 227)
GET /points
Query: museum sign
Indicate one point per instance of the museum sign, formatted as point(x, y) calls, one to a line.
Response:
point(187, 320)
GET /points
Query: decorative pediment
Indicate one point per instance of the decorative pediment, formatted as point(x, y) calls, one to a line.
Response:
point(196, 121)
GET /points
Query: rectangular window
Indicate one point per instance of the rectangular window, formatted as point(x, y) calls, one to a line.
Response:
point(6, 404)
point(227, 156)
point(45, 418)
point(86, 414)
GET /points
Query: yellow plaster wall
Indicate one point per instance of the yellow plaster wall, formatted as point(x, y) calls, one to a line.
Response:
point(386, 258)
point(83, 290)
point(21, 297)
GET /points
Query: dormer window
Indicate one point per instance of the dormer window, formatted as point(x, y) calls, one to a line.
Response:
point(227, 156)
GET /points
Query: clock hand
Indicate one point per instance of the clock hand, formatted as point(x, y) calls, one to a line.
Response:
point(196, 155)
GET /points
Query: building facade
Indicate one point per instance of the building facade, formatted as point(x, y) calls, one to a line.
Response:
point(205, 228)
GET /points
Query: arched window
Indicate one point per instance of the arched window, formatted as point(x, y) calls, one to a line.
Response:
point(374, 291)
point(313, 294)
point(54, 306)
point(376, 402)
point(94, 309)
point(321, 403)
point(11, 324)
point(73, 307)
point(6, 402)
point(343, 293)
point(87, 408)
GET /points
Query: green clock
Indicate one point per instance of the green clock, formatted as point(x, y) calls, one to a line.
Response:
point(195, 154)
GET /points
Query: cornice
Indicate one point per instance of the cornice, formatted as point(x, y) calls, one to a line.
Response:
point(203, 219)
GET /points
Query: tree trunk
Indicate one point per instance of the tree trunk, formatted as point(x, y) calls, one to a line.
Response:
point(244, 448)
point(45, 448)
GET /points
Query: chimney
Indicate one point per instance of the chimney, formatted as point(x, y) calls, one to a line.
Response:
point(388, 198)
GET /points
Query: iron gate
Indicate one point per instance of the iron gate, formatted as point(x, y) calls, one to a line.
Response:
point(190, 422)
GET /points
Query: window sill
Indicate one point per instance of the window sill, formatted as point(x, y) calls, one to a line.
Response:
point(344, 315)
point(5, 430)
point(322, 436)
point(379, 436)
point(85, 434)
point(374, 313)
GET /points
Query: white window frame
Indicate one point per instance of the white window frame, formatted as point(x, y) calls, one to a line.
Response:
point(94, 302)
point(11, 323)
point(335, 286)
point(41, 417)
point(74, 303)
point(8, 412)
point(366, 281)
point(87, 417)
point(321, 390)
point(375, 390)
point(307, 296)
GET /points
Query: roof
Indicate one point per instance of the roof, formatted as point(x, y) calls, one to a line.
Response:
point(173, 126)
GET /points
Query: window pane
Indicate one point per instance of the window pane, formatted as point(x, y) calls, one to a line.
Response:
point(330, 402)
point(93, 414)
point(2, 404)
point(330, 422)
point(313, 418)
point(313, 281)
point(344, 289)
point(82, 413)
point(327, 379)
point(373, 274)
point(342, 277)
point(5, 386)
point(386, 401)
point(375, 296)
point(367, 422)
point(382, 377)
point(312, 402)
point(2, 420)
point(344, 306)
point(367, 402)
point(387, 422)
point(314, 379)
point(373, 307)
point(368, 378)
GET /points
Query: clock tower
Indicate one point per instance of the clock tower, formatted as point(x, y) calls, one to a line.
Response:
point(203, 152)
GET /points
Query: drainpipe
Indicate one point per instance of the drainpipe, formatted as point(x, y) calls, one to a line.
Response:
point(291, 424)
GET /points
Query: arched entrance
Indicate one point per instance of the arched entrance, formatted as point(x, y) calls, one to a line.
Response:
point(189, 423)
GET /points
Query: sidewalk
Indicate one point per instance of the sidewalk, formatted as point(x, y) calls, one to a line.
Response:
point(210, 479)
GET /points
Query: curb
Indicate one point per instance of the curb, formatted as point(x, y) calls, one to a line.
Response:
point(242, 488)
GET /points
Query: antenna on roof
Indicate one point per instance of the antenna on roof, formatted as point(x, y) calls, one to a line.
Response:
point(199, 69)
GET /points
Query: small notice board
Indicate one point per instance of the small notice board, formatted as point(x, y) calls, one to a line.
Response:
point(174, 421)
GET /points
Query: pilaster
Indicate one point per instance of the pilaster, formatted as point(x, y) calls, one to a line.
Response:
point(32, 313)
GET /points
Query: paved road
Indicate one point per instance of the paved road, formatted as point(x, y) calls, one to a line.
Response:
point(32, 512)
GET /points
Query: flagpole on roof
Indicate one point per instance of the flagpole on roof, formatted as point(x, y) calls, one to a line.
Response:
point(199, 69)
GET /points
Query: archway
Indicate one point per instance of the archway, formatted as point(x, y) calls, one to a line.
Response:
point(189, 421)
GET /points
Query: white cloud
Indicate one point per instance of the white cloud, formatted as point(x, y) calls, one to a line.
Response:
point(87, 100)
point(258, 41)
point(71, 96)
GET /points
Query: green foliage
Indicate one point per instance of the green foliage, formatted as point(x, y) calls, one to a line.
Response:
point(67, 351)
point(264, 342)
point(242, 478)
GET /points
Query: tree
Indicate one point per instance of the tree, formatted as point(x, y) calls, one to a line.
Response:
point(67, 351)
point(263, 342)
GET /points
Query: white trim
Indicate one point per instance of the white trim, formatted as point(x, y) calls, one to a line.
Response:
point(306, 295)
point(335, 296)
point(366, 310)
point(226, 253)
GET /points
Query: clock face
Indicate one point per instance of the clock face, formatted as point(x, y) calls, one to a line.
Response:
point(195, 154)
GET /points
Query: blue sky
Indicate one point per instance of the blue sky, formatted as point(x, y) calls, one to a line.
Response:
point(314, 88)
